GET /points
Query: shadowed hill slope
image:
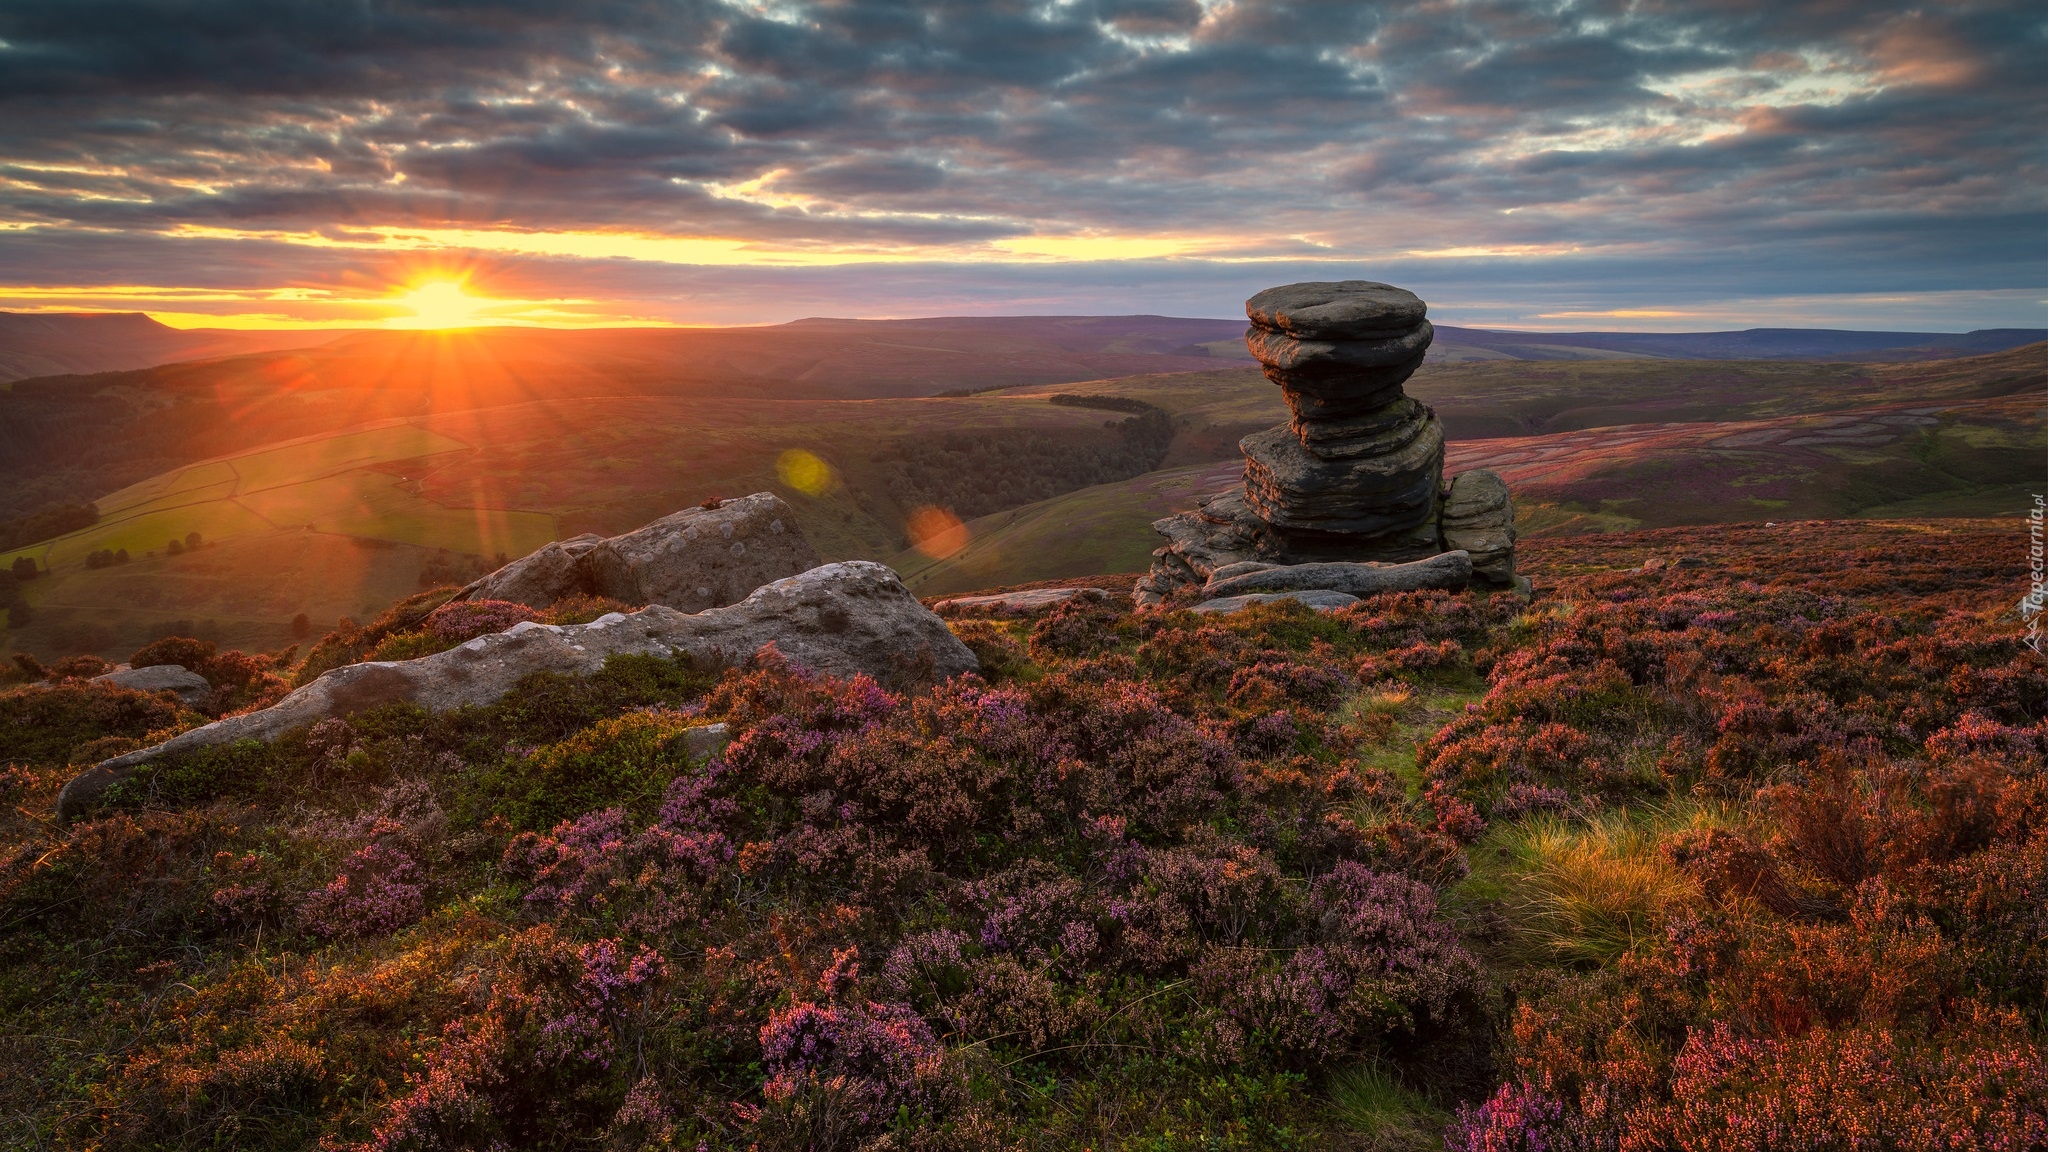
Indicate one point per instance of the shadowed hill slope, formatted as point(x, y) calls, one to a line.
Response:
point(48, 344)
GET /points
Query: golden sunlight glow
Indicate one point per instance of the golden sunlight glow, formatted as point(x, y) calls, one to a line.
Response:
point(439, 304)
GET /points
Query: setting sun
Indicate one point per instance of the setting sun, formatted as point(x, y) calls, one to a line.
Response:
point(439, 304)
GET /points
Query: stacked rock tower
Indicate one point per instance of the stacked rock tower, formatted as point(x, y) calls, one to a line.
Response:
point(1357, 475)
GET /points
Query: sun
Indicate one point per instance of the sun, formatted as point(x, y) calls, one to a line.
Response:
point(439, 304)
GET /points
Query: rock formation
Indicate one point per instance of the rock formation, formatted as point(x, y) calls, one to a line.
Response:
point(1357, 475)
point(695, 559)
point(842, 619)
point(1014, 603)
point(189, 686)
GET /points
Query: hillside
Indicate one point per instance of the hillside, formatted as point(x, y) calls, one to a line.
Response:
point(1631, 444)
point(1750, 848)
point(68, 440)
point(51, 344)
point(341, 524)
point(75, 439)
point(1049, 491)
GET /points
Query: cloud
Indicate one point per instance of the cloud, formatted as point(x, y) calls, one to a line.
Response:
point(1807, 145)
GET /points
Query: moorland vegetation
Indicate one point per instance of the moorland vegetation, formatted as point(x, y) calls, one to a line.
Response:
point(1740, 850)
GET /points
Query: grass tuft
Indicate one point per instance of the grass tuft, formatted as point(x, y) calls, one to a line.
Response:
point(1371, 1102)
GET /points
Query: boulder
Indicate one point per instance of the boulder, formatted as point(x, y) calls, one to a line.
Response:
point(1337, 310)
point(1030, 600)
point(540, 577)
point(1479, 517)
point(1392, 495)
point(190, 686)
point(841, 619)
point(1451, 571)
point(1318, 599)
point(1357, 475)
point(691, 560)
point(1285, 353)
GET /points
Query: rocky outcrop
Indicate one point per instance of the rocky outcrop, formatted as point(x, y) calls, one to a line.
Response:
point(695, 559)
point(1029, 600)
point(540, 577)
point(1451, 571)
point(189, 686)
point(1357, 475)
point(1479, 517)
point(841, 619)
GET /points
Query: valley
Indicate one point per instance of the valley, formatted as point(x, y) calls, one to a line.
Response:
point(488, 453)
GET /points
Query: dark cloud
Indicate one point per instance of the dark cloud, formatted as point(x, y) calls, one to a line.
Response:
point(1806, 142)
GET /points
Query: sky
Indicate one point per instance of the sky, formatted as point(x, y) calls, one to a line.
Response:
point(1647, 165)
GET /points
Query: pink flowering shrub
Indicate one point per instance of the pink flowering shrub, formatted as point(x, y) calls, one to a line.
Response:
point(378, 890)
point(461, 620)
point(837, 1072)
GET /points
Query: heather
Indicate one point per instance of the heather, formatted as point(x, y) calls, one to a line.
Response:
point(1740, 855)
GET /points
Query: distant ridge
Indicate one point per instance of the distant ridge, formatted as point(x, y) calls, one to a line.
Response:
point(59, 343)
point(1831, 344)
point(51, 344)
point(1182, 335)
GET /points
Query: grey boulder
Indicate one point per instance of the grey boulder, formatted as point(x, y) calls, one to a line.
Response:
point(540, 577)
point(840, 619)
point(1296, 354)
point(1450, 571)
point(190, 686)
point(694, 559)
point(1479, 517)
point(1337, 309)
point(1029, 600)
point(1389, 495)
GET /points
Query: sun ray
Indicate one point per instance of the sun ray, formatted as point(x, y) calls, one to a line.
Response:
point(439, 304)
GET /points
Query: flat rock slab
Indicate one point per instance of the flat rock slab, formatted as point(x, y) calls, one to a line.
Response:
point(1030, 600)
point(1321, 601)
point(190, 686)
point(1450, 571)
point(1336, 309)
point(840, 619)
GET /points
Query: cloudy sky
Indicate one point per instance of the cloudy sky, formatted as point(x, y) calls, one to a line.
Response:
point(1656, 164)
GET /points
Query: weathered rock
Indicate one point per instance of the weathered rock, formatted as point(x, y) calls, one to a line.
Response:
point(1326, 357)
point(1240, 568)
point(1013, 602)
point(841, 619)
point(1479, 517)
point(1392, 495)
point(695, 559)
point(1337, 310)
point(190, 686)
point(1357, 476)
point(1315, 598)
point(1451, 571)
point(1390, 427)
point(540, 577)
point(1222, 530)
point(704, 741)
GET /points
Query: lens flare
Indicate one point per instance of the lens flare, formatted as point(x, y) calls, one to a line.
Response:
point(936, 532)
point(806, 472)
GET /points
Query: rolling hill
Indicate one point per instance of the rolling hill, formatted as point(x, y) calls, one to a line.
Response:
point(1739, 443)
point(428, 457)
point(48, 344)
